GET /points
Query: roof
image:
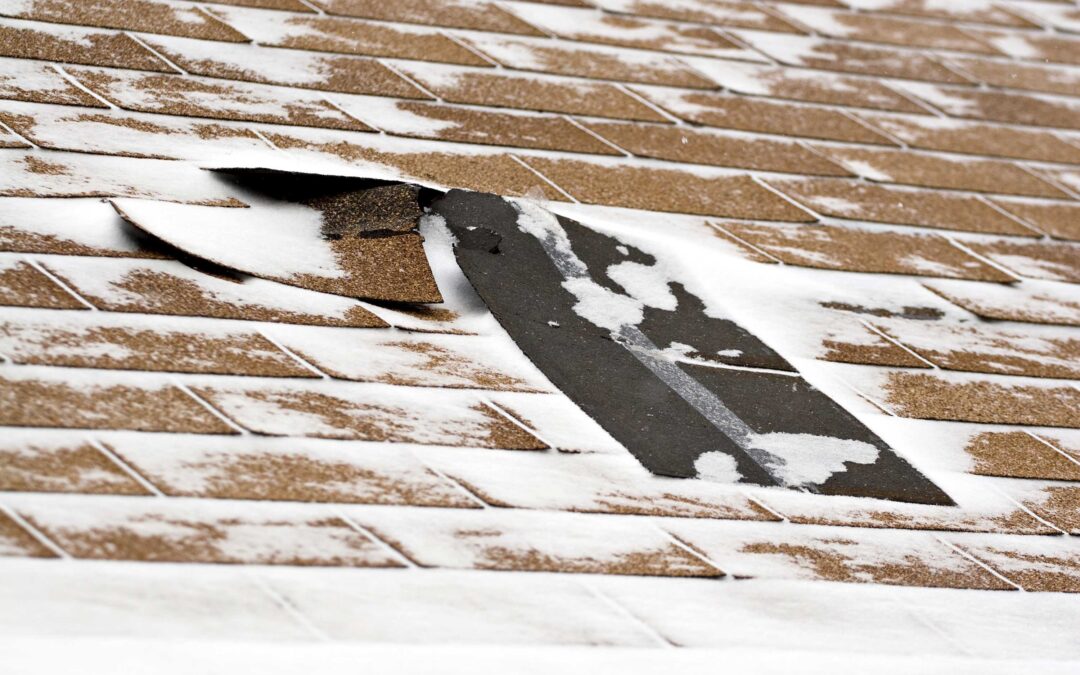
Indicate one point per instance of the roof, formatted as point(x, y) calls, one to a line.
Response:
point(313, 329)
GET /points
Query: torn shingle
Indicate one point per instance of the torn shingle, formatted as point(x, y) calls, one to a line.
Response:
point(324, 233)
point(569, 300)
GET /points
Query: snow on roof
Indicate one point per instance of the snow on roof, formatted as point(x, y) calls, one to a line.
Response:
point(252, 403)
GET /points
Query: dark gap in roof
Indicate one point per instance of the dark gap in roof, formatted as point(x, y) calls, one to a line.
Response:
point(647, 381)
point(350, 207)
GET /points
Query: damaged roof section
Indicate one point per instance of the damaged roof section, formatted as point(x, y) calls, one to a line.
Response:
point(339, 235)
point(691, 394)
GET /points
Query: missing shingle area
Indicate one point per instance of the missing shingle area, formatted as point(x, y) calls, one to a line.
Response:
point(690, 394)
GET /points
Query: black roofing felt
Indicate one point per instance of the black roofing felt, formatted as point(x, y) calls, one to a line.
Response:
point(667, 413)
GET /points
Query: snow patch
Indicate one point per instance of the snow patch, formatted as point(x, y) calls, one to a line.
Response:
point(807, 459)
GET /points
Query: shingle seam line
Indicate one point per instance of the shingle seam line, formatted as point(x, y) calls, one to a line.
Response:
point(125, 467)
point(294, 613)
point(208, 407)
point(60, 282)
point(378, 541)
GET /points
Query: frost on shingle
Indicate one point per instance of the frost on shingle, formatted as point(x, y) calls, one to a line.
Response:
point(34, 461)
point(116, 342)
point(29, 174)
point(72, 44)
point(1055, 261)
point(279, 469)
point(1047, 564)
point(1060, 220)
point(432, 360)
point(172, 94)
point(1033, 351)
point(169, 18)
point(201, 531)
point(48, 397)
point(586, 25)
point(348, 36)
point(286, 67)
point(125, 134)
point(504, 540)
point(785, 551)
point(866, 250)
point(1033, 301)
point(529, 91)
point(590, 483)
point(900, 205)
point(372, 412)
point(23, 285)
point(41, 83)
point(966, 397)
point(169, 287)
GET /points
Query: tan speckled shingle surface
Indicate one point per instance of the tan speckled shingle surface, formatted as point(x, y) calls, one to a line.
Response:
point(885, 192)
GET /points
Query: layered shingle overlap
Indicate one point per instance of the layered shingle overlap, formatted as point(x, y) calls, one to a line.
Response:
point(203, 368)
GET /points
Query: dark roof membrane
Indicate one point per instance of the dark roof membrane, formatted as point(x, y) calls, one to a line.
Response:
point(667, 410)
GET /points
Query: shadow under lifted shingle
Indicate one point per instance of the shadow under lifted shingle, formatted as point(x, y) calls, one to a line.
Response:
point(642, 356)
